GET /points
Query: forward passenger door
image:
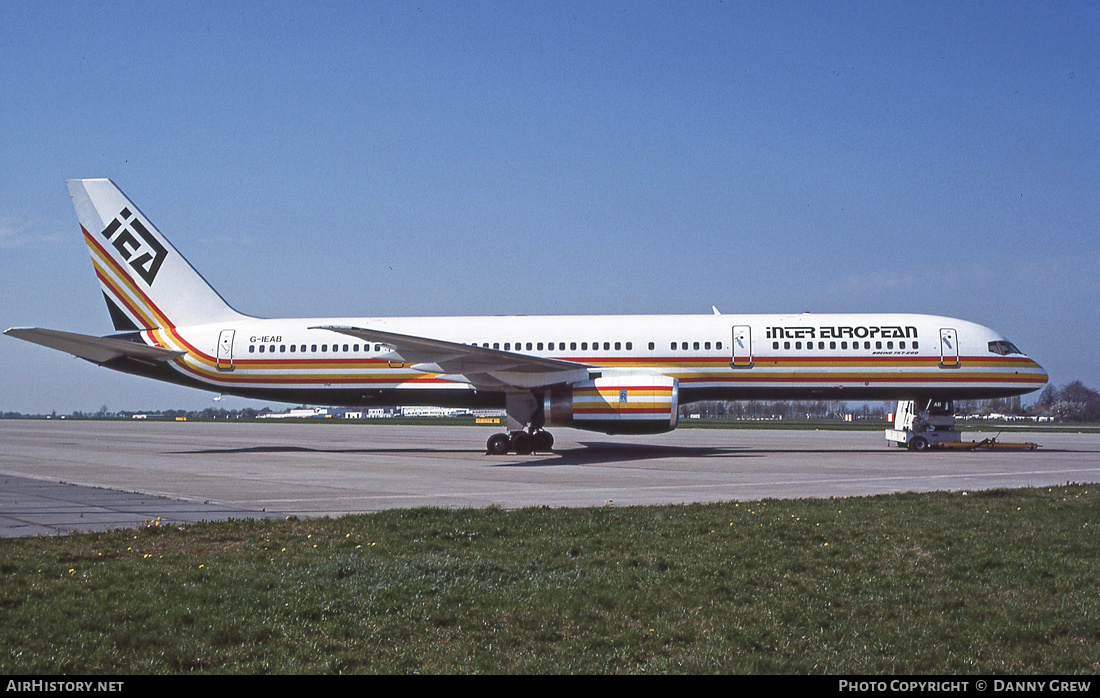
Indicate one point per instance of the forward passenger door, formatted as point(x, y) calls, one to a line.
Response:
point(949, 348)
point(742, 347)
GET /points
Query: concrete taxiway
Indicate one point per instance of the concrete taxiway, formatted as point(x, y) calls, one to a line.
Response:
point(58, 476)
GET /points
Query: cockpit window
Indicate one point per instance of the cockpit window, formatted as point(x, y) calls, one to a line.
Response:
point(1003, 348)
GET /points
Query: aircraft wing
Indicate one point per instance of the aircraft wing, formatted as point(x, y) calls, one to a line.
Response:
point(481, 366)
point(98, 350)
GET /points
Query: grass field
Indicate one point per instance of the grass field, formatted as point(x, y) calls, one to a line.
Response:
point(988, 582)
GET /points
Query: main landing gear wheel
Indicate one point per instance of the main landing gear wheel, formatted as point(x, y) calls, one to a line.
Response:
point(543, 440)
point(498, 444)
point(520, 442)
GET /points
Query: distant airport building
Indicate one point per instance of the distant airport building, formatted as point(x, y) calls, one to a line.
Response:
point(300, 413)
point(422, 411)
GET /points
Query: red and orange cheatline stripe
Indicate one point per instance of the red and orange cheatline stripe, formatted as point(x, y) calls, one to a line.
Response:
point(147, 314)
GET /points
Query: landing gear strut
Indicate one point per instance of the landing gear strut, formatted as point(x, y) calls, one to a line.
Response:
point(525, 433)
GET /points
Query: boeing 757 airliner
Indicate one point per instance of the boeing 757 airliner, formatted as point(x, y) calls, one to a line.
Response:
point(614, 374)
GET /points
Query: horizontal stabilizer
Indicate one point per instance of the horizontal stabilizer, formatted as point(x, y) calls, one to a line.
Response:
point(98, 350)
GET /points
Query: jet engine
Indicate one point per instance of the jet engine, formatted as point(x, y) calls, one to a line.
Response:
point(640, 404)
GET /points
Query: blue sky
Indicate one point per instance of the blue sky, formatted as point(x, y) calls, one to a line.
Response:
point(543, 158)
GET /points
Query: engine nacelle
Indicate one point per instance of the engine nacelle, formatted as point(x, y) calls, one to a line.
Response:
point(643, 404)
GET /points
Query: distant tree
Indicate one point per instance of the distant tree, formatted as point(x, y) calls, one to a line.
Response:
point(1077, 392)
point(1048, 397)
point(1066, 411)
point(1074, 402)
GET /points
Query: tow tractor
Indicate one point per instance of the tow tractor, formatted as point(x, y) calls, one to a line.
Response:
point(920, 425)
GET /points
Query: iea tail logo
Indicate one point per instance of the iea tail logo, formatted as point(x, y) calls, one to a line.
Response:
point(136, 244)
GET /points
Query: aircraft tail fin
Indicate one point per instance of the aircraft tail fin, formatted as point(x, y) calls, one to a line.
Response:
point(146, 282)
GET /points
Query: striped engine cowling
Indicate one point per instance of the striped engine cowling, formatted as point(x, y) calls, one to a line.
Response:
point(632, 404)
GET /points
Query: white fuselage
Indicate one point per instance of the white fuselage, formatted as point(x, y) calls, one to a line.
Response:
point(872, 356)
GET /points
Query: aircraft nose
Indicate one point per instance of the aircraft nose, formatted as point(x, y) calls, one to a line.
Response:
point(1040, 375)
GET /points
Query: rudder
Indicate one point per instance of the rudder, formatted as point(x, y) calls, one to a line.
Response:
point(146, 282)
